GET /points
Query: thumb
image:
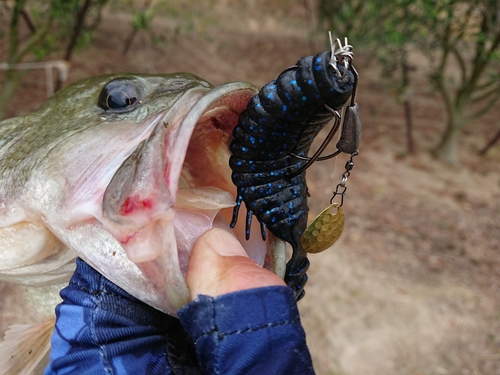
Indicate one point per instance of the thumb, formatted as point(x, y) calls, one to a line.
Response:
point(219, 265)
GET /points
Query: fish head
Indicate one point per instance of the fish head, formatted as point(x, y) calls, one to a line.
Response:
point(125, 171)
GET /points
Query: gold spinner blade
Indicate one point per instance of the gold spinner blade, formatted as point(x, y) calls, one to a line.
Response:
point(324, 231)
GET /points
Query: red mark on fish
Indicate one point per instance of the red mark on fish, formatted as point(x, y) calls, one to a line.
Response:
point(133, 203)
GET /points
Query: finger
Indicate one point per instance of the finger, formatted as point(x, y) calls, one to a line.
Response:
point(219, 265)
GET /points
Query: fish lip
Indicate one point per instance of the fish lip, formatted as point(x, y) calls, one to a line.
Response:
point(218, 96)
point(160, 258)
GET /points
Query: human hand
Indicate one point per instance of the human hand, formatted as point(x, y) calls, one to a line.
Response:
point(255, 331)
point(219, 265)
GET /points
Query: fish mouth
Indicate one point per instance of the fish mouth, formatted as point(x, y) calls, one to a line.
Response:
point(159, 207)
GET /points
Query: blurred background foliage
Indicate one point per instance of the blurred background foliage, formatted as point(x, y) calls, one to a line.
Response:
point(53, 27)
point(454, 36)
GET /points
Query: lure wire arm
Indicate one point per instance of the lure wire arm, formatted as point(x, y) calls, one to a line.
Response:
point(354, 85)
point(317, 155)
point(336, 113)
point(321, 148)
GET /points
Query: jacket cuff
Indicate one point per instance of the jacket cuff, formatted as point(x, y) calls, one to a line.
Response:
point(252, 331)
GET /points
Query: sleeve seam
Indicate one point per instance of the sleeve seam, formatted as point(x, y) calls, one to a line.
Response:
point(221, 335)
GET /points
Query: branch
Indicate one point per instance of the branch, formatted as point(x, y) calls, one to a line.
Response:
point(463, 25)
point(486, 85)
point(15, 52)
point(461, 63)
point(80, 17)
point(28, 21)
point(482, 57)
point(494, 46)
point(483, 30)
point(490, 144)
point(128, 42)
point(486, 93)
point(445, 42)
point(487, 106)
point(34, 39)
point(13, 30)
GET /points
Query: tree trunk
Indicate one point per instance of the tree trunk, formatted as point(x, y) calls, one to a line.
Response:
point(447, 151)
point(11, 82)
point(407, 104)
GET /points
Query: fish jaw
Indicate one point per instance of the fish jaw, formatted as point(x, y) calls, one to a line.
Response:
point(174, 186)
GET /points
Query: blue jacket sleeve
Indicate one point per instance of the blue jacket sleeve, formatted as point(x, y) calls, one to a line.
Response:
point(101, 329)
point(255, 331)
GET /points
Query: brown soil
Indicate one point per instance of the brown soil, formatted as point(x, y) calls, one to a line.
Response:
point(413, 285)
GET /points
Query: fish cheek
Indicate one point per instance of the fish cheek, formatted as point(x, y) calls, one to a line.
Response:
point(16, 252)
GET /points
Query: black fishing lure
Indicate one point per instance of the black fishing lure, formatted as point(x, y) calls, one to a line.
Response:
point(271, 144)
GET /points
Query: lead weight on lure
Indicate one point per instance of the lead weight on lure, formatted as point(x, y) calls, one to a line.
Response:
point(351, 130)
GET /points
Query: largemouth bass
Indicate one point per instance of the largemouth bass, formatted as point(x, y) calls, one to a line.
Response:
point(125, 171)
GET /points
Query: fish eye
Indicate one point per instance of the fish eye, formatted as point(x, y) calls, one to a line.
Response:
point(118, 96)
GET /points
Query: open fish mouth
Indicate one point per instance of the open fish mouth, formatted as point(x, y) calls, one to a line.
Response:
point(173, 187)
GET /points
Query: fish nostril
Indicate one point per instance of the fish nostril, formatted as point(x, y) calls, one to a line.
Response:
point(178, 83)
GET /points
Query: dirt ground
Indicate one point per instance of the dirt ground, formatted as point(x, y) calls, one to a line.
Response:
point(412, 287)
